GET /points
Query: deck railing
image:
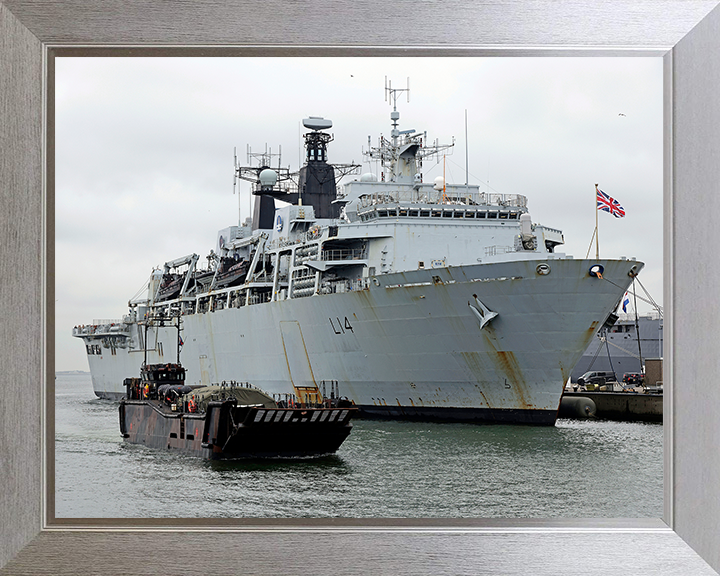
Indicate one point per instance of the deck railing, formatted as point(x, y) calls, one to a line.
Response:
point(430, 196)
point(344, 254)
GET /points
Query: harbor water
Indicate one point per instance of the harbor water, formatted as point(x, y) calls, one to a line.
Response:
point(385, 469)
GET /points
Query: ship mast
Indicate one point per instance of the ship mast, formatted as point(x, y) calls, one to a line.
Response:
point(391, 95)
point(402, 155)
point(314, 184)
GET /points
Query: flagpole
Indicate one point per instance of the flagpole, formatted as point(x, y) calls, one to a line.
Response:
point(597, 235)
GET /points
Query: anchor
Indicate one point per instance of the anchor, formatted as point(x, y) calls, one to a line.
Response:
point(483, 314)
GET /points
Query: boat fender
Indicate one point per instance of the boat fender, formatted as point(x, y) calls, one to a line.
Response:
point(577, 407)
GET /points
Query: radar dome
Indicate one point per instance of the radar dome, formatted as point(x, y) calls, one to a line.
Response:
point(439, 183)
point(368, 177)
point(268, 178)
point(317, 123)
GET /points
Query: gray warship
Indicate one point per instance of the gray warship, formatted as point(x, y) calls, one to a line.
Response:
point(624, 346)
point(416, 300)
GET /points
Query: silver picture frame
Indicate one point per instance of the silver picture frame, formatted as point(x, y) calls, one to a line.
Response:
point(685, 33)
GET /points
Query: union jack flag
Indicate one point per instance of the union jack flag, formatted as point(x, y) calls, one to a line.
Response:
point(607, 204)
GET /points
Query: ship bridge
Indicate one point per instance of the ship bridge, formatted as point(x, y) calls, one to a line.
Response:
point(368, 201)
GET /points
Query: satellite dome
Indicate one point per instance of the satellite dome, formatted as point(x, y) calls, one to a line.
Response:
point(317, 123)
point(268, 178)
point(368, 177)
point(439, 183)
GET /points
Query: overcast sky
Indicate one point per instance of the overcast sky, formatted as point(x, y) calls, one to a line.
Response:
point(144, 152)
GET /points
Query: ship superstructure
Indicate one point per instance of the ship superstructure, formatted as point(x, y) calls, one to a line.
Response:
point(415, 299)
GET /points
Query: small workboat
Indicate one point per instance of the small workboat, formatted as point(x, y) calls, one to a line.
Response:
point(230, 420)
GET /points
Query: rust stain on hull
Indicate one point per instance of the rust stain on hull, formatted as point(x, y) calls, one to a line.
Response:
point(506, 362)
point(590, 333)
point(473, 362)
point(509, 364)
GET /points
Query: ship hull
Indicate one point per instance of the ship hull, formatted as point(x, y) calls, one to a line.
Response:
point(408, 346)
point(228, 432)
point(470, 415)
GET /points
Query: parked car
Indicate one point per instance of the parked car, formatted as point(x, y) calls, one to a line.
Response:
point(635, 378)
point(596, 377)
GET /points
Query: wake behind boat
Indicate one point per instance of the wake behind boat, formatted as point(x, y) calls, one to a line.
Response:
point(429, 301)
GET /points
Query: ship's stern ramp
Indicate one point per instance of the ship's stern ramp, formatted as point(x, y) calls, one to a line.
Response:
point(487, 342)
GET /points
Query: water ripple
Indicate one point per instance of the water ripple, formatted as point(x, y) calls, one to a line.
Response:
point(384, 469)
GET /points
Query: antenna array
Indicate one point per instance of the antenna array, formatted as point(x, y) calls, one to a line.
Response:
point(391, 93)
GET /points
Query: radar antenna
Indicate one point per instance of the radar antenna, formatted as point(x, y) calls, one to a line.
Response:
point(391, 95)
point(264, 159)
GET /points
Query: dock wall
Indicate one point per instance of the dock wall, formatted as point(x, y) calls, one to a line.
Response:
point(624, 405)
